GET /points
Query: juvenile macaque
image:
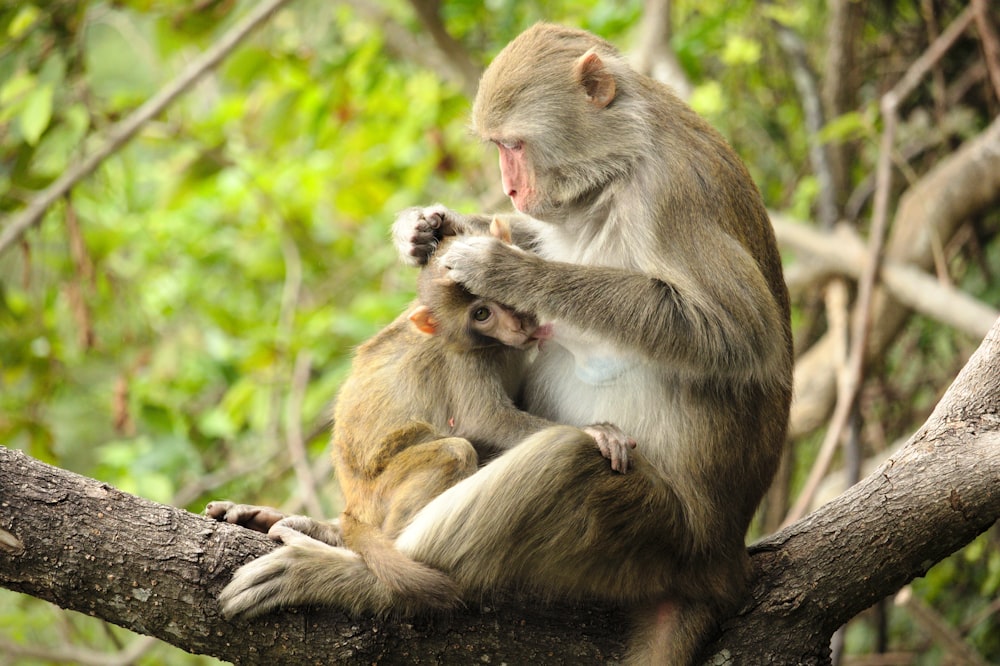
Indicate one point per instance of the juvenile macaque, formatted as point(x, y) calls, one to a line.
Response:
point(652, 254)
point(426, 396)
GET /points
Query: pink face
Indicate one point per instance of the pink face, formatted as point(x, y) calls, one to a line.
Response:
point(516, 175)
point(511, 328)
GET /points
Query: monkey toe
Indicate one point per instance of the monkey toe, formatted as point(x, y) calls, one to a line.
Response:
point(253, 589)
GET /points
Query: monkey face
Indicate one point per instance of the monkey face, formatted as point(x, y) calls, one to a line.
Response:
point(487, 319)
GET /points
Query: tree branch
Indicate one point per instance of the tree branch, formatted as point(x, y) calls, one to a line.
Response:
point(958, 187)
point(653, 55)
point(842, 252)
point(121, 133)
point(428, 11)
point(936, 494)
point(156, 569)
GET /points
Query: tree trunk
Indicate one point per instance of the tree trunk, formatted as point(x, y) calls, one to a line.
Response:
point(155, 569)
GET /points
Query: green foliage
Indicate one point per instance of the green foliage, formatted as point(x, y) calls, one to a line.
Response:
point(150, 325)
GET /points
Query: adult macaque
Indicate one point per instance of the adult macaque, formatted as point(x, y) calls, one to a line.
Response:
point(652, 253)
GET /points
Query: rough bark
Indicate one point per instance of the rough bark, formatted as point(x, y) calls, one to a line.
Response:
point(156, 569)
point(926, 501)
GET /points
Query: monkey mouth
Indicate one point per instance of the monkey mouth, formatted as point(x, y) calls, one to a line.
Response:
point(542, 333)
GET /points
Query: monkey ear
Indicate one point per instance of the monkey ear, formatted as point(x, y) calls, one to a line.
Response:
point(424, 320)
point(501, 229)
point(597, 81)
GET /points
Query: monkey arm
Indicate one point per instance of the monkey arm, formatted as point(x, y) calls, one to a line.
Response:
point(723, 324)
point(499, 429)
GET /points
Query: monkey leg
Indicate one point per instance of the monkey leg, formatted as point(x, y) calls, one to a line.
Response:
point(421, 473)
point(305, 571)
point(374, 577)
point(670, 632)
point(551, 514)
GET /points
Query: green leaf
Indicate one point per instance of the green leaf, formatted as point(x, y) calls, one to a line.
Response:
point(25, 18)
point(36, 114)
point(741, 51)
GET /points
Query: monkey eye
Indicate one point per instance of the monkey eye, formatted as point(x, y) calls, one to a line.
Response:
point(482, 313)
point(509, 144)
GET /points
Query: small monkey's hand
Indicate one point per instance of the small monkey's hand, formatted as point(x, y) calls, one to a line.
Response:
point(613, 443)
point(417, 231)
point(256, 518)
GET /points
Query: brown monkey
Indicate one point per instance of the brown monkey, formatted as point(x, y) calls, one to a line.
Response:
point(405, 428)
point(652, 253)
point(426, 397)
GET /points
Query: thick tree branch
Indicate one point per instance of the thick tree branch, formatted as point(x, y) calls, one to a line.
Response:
point(84, 545)
point(157, 570)
point(926, 501)
point(123, 132)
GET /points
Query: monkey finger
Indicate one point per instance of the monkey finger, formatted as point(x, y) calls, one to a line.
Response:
point(218, 508)
point(251, 592)
point(327, 532)
point(250, 516)
point(290, 536)
point(619, 457)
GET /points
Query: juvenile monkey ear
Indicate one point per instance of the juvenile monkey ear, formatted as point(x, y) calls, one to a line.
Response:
point(597, 81)
point(501, 229)
point(424, 320)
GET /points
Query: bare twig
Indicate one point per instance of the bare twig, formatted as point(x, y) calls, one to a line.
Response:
point(842, 252)
point(122, 132)
point(812, 108)
point(880, 219)
point(990, 42)
point(851, 383)
point(294, 441)
point(839, 80)
point(652, 55)
point(958, 651)
point(916, 71)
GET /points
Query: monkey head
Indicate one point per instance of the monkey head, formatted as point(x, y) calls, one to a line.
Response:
point(557, 104)
point(464, 320)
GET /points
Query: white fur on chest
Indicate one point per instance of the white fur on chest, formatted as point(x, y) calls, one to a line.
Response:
point(601, 386)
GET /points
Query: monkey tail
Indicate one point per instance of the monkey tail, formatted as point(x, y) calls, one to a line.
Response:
point(397, 584)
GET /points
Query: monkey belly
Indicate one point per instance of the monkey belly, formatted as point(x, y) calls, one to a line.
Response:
point(618, 389)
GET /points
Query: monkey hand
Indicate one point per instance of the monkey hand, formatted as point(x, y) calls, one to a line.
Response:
point(256, 518)
point(417, 231)
point(613, 443)
point(485, 266)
